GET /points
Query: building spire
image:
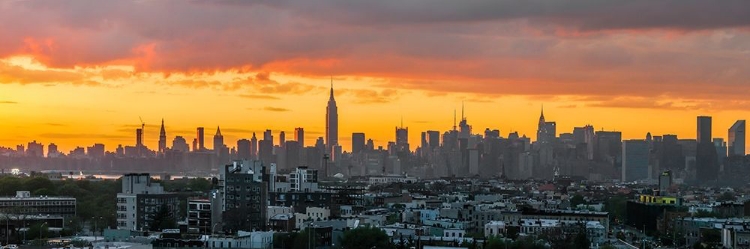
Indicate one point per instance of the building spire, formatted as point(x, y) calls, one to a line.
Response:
point(454, 119)
point(331, 87)
point(542, 116)
point(218, 131)
point(463, 116)
point(162, 132)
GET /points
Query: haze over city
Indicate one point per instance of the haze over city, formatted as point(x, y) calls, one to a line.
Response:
point(80, 73)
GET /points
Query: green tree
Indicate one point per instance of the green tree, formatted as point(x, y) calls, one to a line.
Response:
point(581, 241)
point(365, 238)
point(726, 196)
point(163, 220)
point(577, 200)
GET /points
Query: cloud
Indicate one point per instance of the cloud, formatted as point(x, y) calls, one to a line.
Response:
point(258, 96)
point(693, 49)
point(56, 124)
point(8, 102)
point(368, 96)
point(275, 109)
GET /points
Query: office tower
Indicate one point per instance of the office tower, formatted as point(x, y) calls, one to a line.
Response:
point(195, 144)
point(423, 145)
point(265, 152)
point(635, 155)
point(218, 141)
point(199, 136)
point(282, 139)
point(293, 154)
point(299, 136)
point(433, 139)
point(267, 135)
point(704, 129)
point(464, 127)
point(180, 144)
point(585, 136)
point(254, 147)
point(402, 139)
point(332, 123)
point(721, 150)
point(358, 142)
point(162, 138)
point(243, 149)
point(706, 158)
point(546, 131)
point(737, 139)
point(608, 147)
point(52, 150)
point(321, 145)
point(672, 156)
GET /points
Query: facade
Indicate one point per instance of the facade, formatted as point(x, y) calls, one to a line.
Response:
point(241, 198)
point(299, 136)
point(140, 200)
point(201, 139)
point(635, 163)
point(199, 217)
point(303, 179)
point(546, 131)
point(24, 204)
point(402, 139)
point(737, 138)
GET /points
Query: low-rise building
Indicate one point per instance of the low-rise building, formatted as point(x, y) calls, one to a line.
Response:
point(24, 204)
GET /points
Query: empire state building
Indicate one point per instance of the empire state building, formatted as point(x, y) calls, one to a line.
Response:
point(332, 123)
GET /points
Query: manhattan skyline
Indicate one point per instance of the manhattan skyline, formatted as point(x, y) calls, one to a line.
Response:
point(75, 76)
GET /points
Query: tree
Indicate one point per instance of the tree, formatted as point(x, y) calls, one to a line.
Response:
point(581, 241)
point(365, 238)
point(726, 196)
point(163, 220)
point(577, 200)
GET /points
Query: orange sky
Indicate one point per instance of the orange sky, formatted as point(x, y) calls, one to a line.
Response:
point(84, 72)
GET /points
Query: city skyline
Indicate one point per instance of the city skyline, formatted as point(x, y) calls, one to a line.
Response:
point(75, 77)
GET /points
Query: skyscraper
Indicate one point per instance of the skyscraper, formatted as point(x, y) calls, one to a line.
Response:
point(402, 138)
point(180, 144)
point(218, 141)
point(704, 129)
point(162, 138)
point(199, 136)
point(243, 149)
point(254, 147)
point(737, 139)
point(332, 123)
point(358, 142)
point(546, 131)
point(299, 136)
point(282, 139)
point(706, 158)
point(433, 139)
point(267, 135)
point(635, 155)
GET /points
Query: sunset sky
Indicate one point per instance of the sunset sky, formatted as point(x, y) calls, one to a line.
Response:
point(79, 72)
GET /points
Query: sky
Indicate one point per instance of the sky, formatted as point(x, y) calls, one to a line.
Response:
point(77, 73)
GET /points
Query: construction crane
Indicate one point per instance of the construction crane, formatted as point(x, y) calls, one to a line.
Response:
point(142, 123)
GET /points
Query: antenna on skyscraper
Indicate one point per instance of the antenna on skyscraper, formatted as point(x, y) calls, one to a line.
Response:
point(463, 117)
point(454, 119)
